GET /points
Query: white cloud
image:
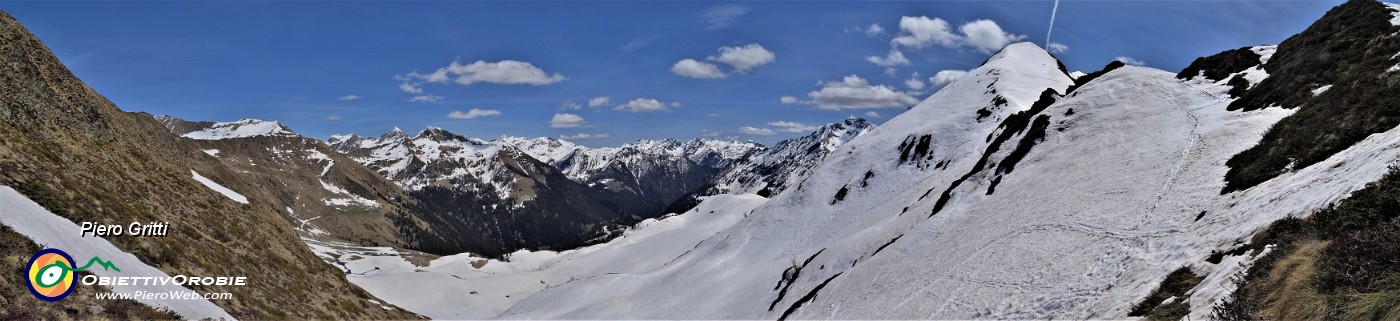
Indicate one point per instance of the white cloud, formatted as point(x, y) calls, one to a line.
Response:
point(746, 130)
point(334, 117)
point(425, 99)
point(744, 58)
point(874, 30)
point(741, 59)
point(721, 16)
point(1130, 60)
point(566, 120)
point(788, 100)
point(584, 136)
point(348, 97)
point(570, 105)
point(914, 82)
point(1055, 47)
point(921, 32)
point(943, 78)
point(855, 92)
point(505, 72)
point(894, 58)
point(697, 69)
point(986, 36)
point(709, 133)
point(473, 113)
point(645, 105)
point(599, 101)
point(793, 127)
point(872, 114)
point(411, 88)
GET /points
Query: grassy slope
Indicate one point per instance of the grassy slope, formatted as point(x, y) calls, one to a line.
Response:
point(75, 153)
point(1340, 263)
point(1350, 48)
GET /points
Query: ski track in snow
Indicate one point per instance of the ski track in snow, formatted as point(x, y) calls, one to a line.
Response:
point(50, 230)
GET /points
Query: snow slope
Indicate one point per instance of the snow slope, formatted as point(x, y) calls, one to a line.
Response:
point(1089, 222)
point(53, 231)
point(461, 287)
point(219, 188)
point(802, 221)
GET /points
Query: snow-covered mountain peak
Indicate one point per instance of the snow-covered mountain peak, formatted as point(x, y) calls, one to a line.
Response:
point(246, 127)
point(394, 134)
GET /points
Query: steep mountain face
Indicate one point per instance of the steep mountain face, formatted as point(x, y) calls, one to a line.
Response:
point(77, 155)
point(1016, 192)
point(493, 191)
point(769, 171)
point(656, 172)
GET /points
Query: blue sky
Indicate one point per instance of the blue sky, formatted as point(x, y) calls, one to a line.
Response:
point(531, 68)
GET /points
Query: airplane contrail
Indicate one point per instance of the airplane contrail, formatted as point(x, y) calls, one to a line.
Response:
point(1052, 23)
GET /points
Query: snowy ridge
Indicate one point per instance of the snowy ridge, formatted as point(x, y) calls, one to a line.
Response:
point(800, 222)
point(770, 170)
point(48, 229)
point(240, 129)
point(436, 155)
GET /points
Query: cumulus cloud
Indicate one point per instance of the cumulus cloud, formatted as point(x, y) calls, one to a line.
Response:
point(982, 35)
point(921, 32)
point(872, 114)
point(793, 127)
point(855, 92)
point(348, 97)
point(943, 78)
point(473, 113)
point(584, 136)
point(914, 82)
point(599, 101)
point(986, 36)
point(740, 59)
point(894, 58)
point(645, 105)
point(744, 58)
point(425, 99)
point(1130, 60)
point(411, 88)
point(747, 130)
point(1055, 47)
point(566, 120)
point(334, 117)
point(505, 72)
point(697, 69)
point(570, 105)
point(788, 100)
point(722, 16)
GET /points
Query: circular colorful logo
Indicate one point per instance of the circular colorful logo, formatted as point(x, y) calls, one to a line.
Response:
point(50, 274)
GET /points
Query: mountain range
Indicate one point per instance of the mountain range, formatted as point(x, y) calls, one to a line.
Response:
point(1256, 183)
